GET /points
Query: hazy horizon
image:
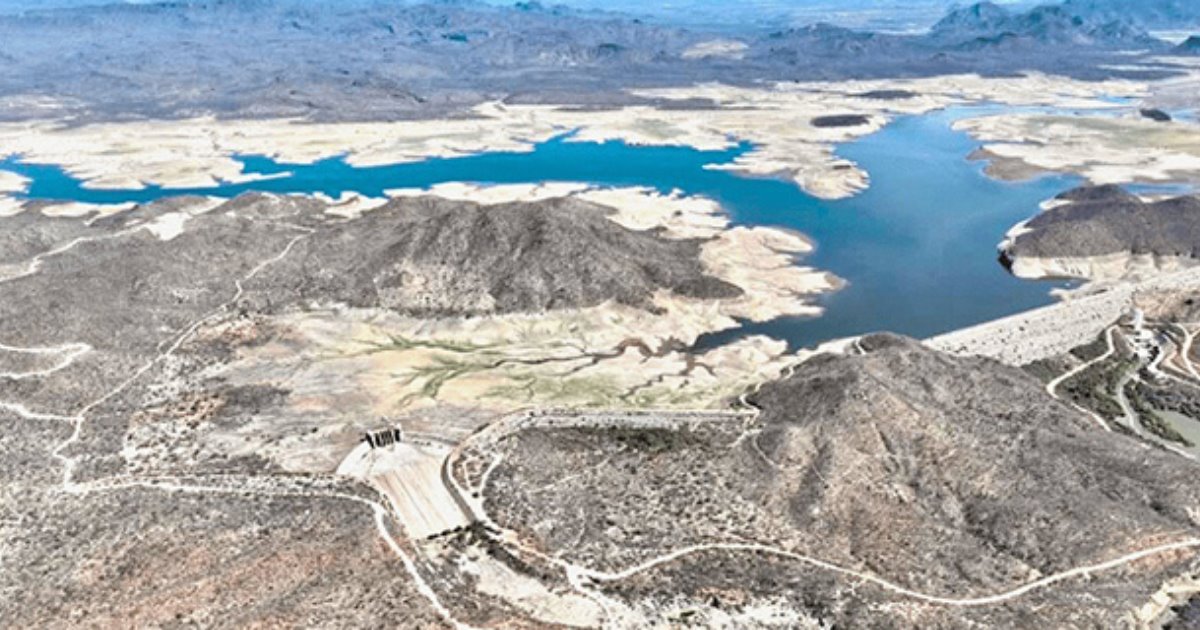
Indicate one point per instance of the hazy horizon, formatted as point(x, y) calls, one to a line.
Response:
point(899, 15)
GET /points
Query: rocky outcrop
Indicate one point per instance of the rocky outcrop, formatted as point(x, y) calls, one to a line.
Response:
point(841, 120)
point(1157, 115)
point(888, 95)
point(1105, 233)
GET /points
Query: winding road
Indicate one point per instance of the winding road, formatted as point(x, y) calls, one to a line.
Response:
point(1052, 386)
point(578, 575)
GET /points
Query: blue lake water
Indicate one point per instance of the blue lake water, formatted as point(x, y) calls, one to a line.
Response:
point(917, 248)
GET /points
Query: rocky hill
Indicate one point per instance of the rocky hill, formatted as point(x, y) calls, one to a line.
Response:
point(954, 477)
point(436, 257)
point(1101, 231)
point(983, 19)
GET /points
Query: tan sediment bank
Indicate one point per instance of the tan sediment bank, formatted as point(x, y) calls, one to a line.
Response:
point(11, 183)
point(1104, 150)
point(1004, 168)
point(1103, 268)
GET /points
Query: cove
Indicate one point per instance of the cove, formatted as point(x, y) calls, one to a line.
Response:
point(918, 247)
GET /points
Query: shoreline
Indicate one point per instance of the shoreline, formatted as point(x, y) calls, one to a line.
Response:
point(776, 119)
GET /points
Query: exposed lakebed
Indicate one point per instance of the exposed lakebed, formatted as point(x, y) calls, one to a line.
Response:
point(917, 248)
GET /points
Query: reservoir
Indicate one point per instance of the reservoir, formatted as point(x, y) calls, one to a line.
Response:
point(918, 248)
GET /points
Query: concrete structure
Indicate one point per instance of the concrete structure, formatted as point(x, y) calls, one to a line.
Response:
point(410, 476)
point(1145, 343)
point(385, 437)
point(1138, 319)
point(413, 485)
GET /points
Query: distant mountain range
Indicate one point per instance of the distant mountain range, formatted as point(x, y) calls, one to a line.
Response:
point(983, 30)
point(986, 24)
point(887, 15)
point(375, 59)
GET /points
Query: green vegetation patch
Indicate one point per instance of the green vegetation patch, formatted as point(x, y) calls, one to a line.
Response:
point(398, 342)
point(1093, 350)
point(1140, 396)
point(586, 391)
point(650, 440)
point(1095, 388)
point(1181, 399)
point(1045, 370)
